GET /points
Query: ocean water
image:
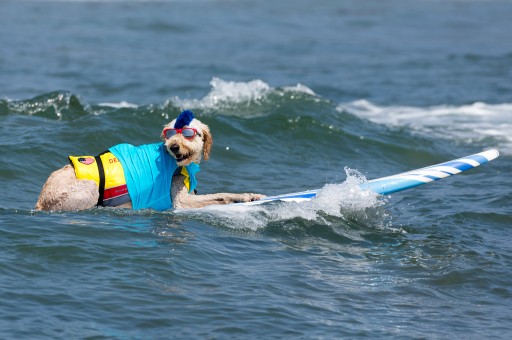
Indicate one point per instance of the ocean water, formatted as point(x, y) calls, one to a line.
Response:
point(299, 95)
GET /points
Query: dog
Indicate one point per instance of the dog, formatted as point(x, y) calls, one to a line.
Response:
point(155, 176)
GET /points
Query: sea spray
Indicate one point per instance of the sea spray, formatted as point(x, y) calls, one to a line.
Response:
point(334, 201)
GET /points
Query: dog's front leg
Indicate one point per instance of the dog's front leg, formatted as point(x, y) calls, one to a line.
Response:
point(182, 199)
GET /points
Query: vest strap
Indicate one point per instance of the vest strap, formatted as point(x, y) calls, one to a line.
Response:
point(177, 172)
point(101, 173)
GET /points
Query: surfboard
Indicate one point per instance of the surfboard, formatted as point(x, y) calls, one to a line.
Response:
point(402, 181)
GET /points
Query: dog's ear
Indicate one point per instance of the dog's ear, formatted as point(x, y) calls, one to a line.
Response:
point(208, 142)
point(162, 133)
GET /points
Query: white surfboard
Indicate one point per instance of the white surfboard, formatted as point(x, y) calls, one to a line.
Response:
point(399, 182)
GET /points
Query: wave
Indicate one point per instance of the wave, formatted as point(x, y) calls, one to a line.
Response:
point(64, 105)
point(477, 123)
point(53, 105)
point(247, 99)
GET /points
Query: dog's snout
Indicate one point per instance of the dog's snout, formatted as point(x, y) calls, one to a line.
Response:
point(175, 148)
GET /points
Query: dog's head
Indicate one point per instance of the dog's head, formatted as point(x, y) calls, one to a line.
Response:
point(187, 139)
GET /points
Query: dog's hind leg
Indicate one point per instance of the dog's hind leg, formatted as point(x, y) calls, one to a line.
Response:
point(64, 192)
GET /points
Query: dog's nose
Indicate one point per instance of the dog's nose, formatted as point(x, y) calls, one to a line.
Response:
point(175, 148)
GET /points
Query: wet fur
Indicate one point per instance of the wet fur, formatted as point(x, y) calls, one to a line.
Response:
point(64, 192)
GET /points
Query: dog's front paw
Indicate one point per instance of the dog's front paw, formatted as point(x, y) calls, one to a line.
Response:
point(256, 197)
point(249, 197)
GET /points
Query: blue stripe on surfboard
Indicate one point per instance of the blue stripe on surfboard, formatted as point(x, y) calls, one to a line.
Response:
point(462, 166)
point(390, 186)
point(478, 158)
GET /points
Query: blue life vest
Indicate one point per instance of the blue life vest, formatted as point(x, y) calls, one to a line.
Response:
point(148, 170)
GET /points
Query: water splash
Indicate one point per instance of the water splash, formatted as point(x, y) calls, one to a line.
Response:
point(334, 202)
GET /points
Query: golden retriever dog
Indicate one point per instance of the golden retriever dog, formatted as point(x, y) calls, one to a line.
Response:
point(155, 176)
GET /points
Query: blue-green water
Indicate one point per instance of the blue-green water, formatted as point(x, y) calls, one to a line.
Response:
point(294, 92)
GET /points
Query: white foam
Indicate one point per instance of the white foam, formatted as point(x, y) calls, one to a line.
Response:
point(120, 105)
point(300, 88)
point(231, 92)
point(465, 123)
point(333, 200)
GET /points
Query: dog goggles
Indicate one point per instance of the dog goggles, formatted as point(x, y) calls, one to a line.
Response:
point(188, 133)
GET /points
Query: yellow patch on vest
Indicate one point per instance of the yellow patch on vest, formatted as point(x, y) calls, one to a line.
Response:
point(86, 168)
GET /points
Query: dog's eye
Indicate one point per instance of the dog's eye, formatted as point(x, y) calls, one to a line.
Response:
point(188, 133)
point(169, 133)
